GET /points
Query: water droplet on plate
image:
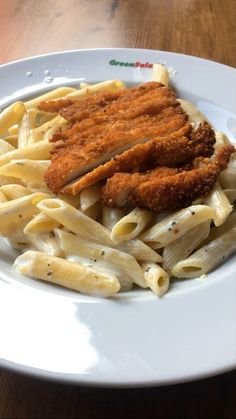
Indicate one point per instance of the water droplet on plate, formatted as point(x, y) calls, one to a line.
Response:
point(48, 79)
point(60, 65)
point(29, 73)
point(47, 72)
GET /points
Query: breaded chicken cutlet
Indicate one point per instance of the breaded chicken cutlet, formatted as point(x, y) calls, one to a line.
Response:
point(137, 140)
point(104, 125)
point(172, 150)
point(168, 192)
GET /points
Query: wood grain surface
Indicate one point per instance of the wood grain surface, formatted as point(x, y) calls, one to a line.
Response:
point(204, 28)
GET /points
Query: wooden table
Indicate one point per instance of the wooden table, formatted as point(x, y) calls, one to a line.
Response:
point(205, 28)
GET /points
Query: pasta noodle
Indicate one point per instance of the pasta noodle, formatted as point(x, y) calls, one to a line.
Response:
point(26, 125)
point(2, 197)
point(47, 243)
point(183, 247)
point(38, 151)
point(5, 147)
point(41, 223)
point(14, 191)
point(111, 216)
point(160, 74)
point(156, 278)
point(208, 257)
point(75, 220)
point(26, 170)
point(131, 225)
point(176, 225)
point(54, 94)
point(219, 201)
point(13, 212)
point(68, 274)
point(118, 259)
point(11, 115)
point(90, 201)
point(45, 131)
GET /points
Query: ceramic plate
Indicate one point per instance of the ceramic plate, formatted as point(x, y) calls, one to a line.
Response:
point(134, 339)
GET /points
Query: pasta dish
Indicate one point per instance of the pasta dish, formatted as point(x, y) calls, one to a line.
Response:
point(105, 187)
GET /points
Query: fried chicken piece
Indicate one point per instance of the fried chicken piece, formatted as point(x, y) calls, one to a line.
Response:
point(105, 125)
point(124, 183)
point(69, 106)
point(170, 192)
point(164, 151)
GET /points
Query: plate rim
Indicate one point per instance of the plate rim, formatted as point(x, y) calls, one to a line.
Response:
point(61, 52)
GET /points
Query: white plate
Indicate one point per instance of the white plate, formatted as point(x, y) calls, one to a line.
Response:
point(135, 338)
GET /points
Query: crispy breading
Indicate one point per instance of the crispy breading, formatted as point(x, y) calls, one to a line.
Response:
point(104, 125)
point(169, 192)
point(124, 183)
point(165, 151)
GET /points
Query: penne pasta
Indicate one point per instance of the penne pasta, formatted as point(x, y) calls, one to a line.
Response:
point(42, 117)
point(26, 170)
point(208, 257)
point(117, 259)
point(53, 94)
point(41, 223)
point(14, 191)
point(219, 201)
point(216, 232)
point(12, 213)
point(10, 116)
point(110, 86)
point(140, 251)
point(46, 131)
point(90, 201)
point(6, 180)
point(13, 130)
point(26, 125)
point(46, 243)
point(12, 140)
point(156, 278)
point(131, 225)
point(5, 147)
point(75, 220)
point(227, 178)
point(2, 197)
point(18, 239)
point(177, 224)
point(89, 197)
point(67, 274)
point(38, 151)
point(194, 115)
point(160, 74)
point(183, 247)
point(111, 216)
